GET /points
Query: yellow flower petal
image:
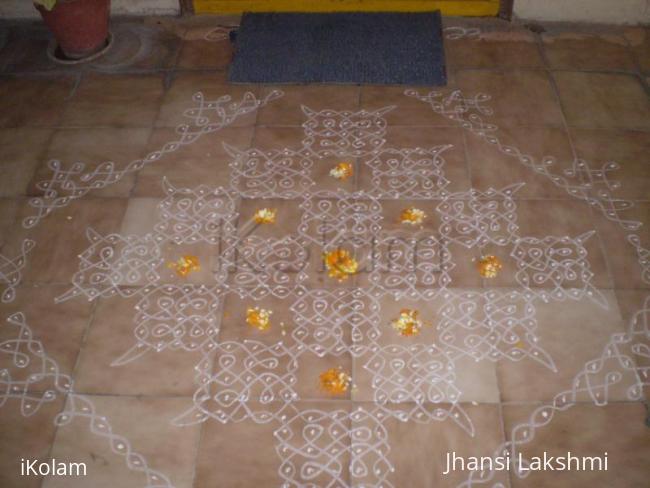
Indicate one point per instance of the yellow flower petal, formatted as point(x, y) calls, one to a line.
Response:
point(265, 216)
point(335, 381)
point(489, 266)
point(412, 216)
point(342, 171)
point(185, 265)
point(408, 323)
point(259, 318)
point(340, 264)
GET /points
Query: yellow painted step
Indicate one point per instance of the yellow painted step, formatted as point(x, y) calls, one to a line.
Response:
point(474, 8)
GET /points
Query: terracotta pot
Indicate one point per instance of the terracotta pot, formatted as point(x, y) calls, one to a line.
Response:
point(79, 26)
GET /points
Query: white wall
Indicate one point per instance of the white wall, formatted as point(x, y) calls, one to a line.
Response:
point(604, 11)
point(16, 9)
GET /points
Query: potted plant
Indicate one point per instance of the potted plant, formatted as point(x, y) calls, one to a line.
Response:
point(79, 26)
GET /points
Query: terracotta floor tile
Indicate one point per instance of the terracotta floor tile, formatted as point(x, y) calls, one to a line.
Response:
point(407, 111)
point(139, 46)
point(634, 307)
point(140, 216)
point(8, 211)
point(142, 421)
point(639, 39)
point(489, 348)
point(391, 212)
point(603, 100)
point(116, 101)
point(235, 326)
point(494, 49)
point(134, 46)
point(278, 138)
point(453, 263)
point(25, 50)
point(287, 219)
point(62, 236)
point(210, 263)
point(576, 51)
point(425, 465)
point(511, 99)
point(236, 454)
point(22, 151)
point(202, 54)
point(464, 272)
point(25, 438)
point(205, 161)
point(629, 303)
point(33, 102)
point(226, 453)
point(288, 109)
point(588, 430)
point(309, 172)
point(461, 271)
point(571, 333)
point(476, 381)
point(59, 327)
point(318, 273)
point(309, 366)
point(560, 219)
point(453, 173)
point(491, 168)
point(110, 336)
point(630, 150)
point(622, 257)
point(178, 98)
point(94, 147)
point(202, 28)
point(424, 137)
point(181, 233)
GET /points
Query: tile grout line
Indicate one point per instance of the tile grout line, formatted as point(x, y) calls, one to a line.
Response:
point(255, 126)
point(502, 426)
point(298, 126)
point(72, 373)
point(592, 211)
point(637, 64)
point(167, 81)
point(468, 166)
point(195, 464)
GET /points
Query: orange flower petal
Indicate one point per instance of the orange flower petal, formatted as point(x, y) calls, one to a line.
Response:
point(342, 171)
point(489, 266)
point(259, 318)
point(185, 265)
point(340, 264)
point(408, 323)
point(335, 381)
point(265, 216)
point(412, 216)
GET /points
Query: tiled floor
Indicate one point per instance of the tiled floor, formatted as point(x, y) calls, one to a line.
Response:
point(109, 357)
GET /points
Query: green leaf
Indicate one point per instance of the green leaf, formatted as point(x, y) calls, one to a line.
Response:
point(48, 4)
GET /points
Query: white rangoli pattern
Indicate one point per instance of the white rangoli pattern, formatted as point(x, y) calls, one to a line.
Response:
point(11, 271)
point(592, 186)
point(70, 183)
point(623, 363)
point(257, 380)
point(644, 256)
point(34, 379)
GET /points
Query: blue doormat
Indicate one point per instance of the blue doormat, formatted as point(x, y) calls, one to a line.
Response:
point(372, 48)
